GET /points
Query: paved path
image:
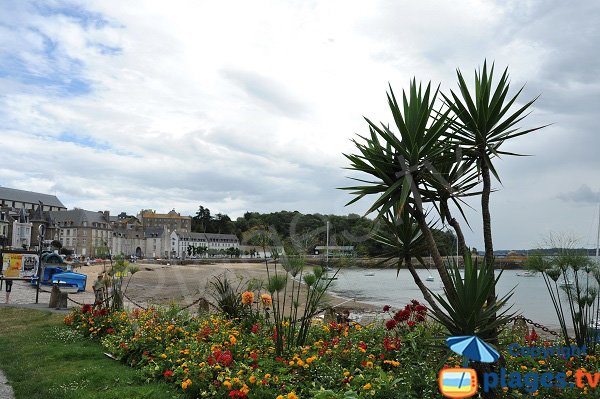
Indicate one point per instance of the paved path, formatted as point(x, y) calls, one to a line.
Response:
point(6, 391)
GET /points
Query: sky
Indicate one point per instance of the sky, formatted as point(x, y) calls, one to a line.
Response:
point(249, 105)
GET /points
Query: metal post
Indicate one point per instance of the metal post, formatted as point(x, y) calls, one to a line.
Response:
point(327, 250)
point(41, 231)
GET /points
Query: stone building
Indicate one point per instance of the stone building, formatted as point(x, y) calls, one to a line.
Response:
point(173, 221)
point(87, 233)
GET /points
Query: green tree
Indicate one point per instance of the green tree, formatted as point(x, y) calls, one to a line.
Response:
point(484, 122)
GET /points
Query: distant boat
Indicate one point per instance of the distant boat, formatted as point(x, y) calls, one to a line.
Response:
point(429, 278)
point(526, 274)
point(567, 284)
point(369, 274)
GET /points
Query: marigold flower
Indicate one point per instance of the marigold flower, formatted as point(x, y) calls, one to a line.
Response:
point(292, 395)
point(266, 300)
point(367, 386)
point(247, 298)
point(252, 379)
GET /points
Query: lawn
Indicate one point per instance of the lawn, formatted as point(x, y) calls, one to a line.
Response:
point(43, 358)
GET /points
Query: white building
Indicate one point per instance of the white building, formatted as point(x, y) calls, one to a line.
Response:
point(21, 230)
point(212, 243)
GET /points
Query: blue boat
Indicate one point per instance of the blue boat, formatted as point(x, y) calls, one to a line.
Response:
point(70, 280)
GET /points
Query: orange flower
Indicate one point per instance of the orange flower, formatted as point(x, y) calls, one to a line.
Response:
point(247, 298)
point(266, 300)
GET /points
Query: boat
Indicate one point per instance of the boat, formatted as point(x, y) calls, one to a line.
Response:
point(70, 280)
point(429, 278)
point(369, 274)
point(526, 274)
point(566, 284)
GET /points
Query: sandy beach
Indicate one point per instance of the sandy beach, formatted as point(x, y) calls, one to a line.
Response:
point(174, 284)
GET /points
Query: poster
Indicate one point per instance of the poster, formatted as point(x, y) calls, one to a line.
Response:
point(19, 265)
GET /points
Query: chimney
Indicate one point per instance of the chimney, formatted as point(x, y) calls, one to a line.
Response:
point(106, 215)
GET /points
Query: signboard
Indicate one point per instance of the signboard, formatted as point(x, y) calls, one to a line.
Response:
point(19, 265)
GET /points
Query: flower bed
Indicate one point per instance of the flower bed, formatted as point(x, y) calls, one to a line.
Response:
point(221, 358)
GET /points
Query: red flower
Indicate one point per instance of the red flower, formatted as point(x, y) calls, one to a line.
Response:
point(390, 324)
point(414, 302)
point(402, 315)
point(254, 329)
point(362, 345)
point(386, 308)
point(110, 330)
point(531, 338)
point(420, 308)
point(237, 394)
point(168, 373)
point(87, 308)
point(420, 317)
point(411, 323)
point(391, 344)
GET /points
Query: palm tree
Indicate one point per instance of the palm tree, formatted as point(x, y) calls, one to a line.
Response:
point(405, 241)
point(483, 125)
point(401, 164)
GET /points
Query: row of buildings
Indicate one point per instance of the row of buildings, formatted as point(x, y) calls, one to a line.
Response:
point(97, 234)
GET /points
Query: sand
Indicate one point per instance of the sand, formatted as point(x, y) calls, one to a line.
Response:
point(178, 284)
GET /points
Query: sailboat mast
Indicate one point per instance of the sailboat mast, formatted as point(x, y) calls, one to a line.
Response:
point(327, 250)
point(598, 236)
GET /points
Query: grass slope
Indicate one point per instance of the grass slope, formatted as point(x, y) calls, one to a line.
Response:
point(42, 358)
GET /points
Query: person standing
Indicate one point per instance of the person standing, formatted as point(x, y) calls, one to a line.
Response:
point(8, 285)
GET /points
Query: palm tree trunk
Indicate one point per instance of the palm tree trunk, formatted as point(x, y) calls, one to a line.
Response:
point(455, 225)
point(487, 232)
point(435, 253)
point(426, 294)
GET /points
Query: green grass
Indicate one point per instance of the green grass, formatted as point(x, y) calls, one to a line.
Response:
point(42, 358)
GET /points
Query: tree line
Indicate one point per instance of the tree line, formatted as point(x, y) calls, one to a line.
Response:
point(301, 233)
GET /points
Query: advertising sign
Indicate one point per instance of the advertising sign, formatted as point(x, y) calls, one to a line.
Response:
point(19, 265)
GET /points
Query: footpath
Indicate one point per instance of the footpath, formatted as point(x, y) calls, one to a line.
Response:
point(6, 391)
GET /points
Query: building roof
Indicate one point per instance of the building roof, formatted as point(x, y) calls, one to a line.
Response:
point(154, 231)
point(78, 216)
point(150, 214)
point(30, 197)
point(207, 236)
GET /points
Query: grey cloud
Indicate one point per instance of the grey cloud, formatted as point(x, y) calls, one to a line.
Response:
point(270, 93)
point(583, 194)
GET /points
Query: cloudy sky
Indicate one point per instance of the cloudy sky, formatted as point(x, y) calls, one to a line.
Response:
point(249, 105)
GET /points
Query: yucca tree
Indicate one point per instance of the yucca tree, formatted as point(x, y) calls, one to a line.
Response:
point(404, 242)
point(401, 162)
point(452, 178)
point(485, 120)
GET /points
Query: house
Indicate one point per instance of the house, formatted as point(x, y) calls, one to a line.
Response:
point(29, 200)
point(4, 240)
point(87, 233)
point(19, 228)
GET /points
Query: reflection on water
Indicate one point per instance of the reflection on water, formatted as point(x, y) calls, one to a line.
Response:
point(382, 287)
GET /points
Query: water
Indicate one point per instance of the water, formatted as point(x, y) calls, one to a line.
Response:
point(530, 298)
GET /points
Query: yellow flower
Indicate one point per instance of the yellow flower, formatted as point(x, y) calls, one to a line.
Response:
point(267, 376)
point(367, 386)
point(232, 339)
point(292, 395)
point(163, 356)
point(247, 298)
point(280, 397)
point(369, 365)
point(541, 362)
point(252, 379)
point(227, 384)
point(569, 373)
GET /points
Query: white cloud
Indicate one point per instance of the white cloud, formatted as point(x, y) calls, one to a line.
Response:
point(249, 105)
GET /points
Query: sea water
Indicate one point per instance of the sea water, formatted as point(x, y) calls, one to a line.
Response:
point(530, 298)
